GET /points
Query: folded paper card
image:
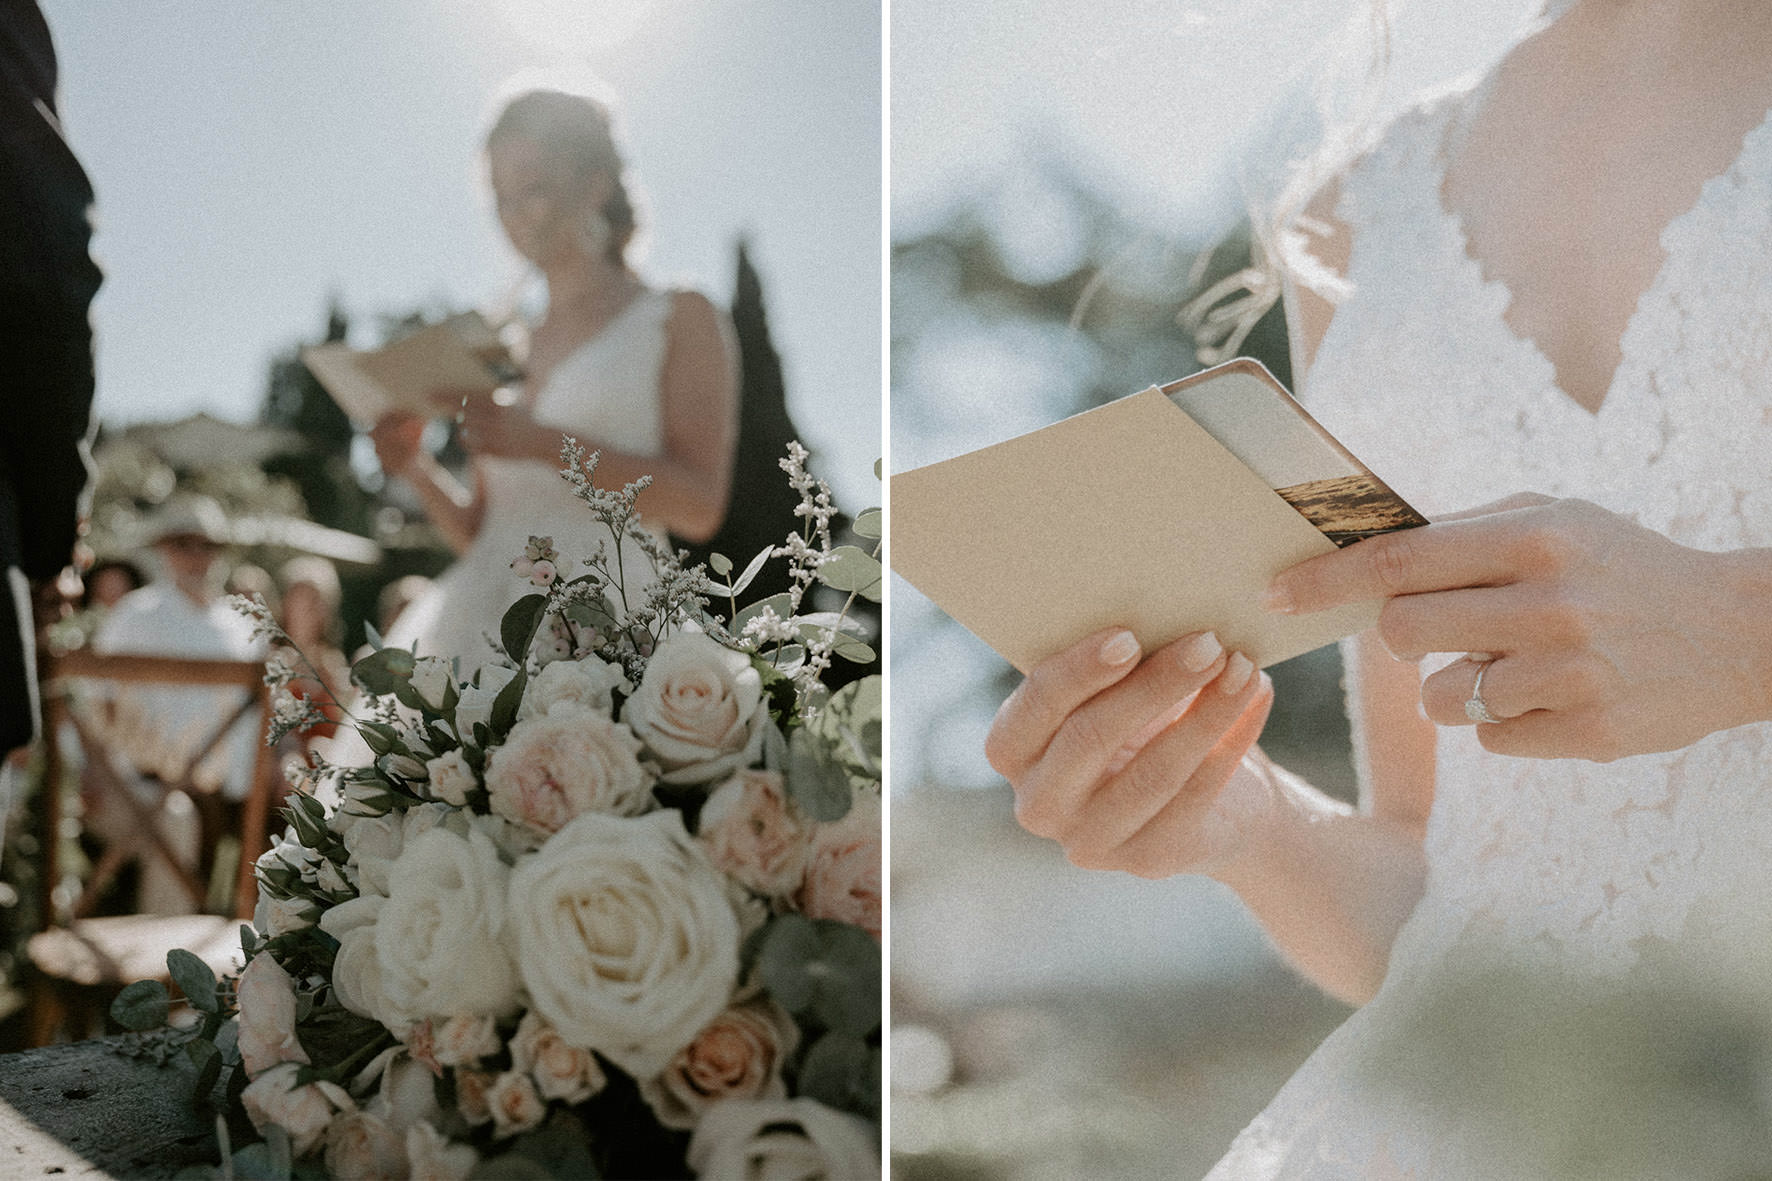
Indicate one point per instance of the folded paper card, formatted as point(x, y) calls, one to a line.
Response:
point(1166, 512)
point(461, 354)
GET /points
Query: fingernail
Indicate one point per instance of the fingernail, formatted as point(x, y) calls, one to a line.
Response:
point(1198, 653)
point(1236, 674)
point(1120, 647)
point(1278, 599)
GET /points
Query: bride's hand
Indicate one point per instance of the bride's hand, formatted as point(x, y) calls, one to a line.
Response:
point(1609, 639)
point(488, 427)
point(1120, 760)
point(397, 439)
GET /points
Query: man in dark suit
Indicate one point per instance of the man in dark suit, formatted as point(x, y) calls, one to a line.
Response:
point(47, 281)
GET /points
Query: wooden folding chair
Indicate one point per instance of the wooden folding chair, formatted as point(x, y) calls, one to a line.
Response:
point(81, 961)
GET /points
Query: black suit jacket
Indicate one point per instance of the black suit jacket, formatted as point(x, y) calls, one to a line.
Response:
point(47, 281)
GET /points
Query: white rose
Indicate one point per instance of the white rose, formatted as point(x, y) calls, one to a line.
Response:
point(737, 1055)
point(560, 1071)
point(328, 877)
point(515, 1104)
point(565, 762)
point(699, 709)
point(476, 700)
point(431, 1157)
point(284, 915)
point(798, 1138)
point(451, 778)
point(266, 997)
point(360, 1145)
point(408, 1096)
point(422, 818)
point(372, 845)
point(439, 937)
point(356, 967)
point(401, 767)
point(464, 1040)
point(304, 1112)
point(589, 682)
point(432, 678)
point(624, 935)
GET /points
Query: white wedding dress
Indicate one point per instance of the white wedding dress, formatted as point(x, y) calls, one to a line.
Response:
point(605, 394)
point(1562, 869)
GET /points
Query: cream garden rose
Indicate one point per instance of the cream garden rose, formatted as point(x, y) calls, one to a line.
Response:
point(737, 1055)
point(445, 911)
point(515, 1104)
point(560, 1071)
point(302, 1111)
point(589, 682)
point(752, 831)
point(565, 762)
point(699, 709)
point(361, 1145)
point(625, 938)
point(799, 1138)
point(267, 1017)
point(475, 704)
point(451, 778)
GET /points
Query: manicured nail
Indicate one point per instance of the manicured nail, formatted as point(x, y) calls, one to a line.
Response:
point(1277, 599)
point(1120, 647)
point(1237, 671)
point(1198, 653)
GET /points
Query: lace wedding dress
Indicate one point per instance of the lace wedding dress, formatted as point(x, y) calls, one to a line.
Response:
point(605, 394)
point(1556, 870)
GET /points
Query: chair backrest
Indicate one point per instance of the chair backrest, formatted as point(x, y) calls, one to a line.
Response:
point(113, 756)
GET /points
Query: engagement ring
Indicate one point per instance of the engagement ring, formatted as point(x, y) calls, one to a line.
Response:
point(1476, 709)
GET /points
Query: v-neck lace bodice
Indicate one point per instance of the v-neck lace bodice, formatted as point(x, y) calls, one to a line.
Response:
point(1546, 865)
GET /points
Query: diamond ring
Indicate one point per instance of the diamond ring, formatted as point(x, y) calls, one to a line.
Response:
point(1476, 709)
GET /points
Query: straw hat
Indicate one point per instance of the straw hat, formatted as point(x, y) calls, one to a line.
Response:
point(187, 515)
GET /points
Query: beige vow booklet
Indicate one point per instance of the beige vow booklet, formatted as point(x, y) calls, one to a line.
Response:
point(461, 353)
point(1166, 512)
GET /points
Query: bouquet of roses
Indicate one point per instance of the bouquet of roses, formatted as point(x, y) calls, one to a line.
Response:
point(609, 907)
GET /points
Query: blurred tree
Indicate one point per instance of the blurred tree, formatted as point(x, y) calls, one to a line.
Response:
point(761, 509)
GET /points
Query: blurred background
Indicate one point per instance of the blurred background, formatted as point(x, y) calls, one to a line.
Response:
point(273, 175)
point(1064, 179)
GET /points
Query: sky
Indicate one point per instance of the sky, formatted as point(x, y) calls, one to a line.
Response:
point(254, 158)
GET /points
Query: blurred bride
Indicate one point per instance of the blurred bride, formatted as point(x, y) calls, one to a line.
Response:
point(643, 374)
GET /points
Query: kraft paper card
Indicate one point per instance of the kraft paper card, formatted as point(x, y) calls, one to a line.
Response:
point(461, 353)
point(1166, 512)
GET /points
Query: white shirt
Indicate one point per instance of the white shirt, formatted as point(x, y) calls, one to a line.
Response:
point(167, 725)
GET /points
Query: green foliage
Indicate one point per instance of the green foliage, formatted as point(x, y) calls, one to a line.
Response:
point(142, 1006)
point(194, 978)
point(816, 782)
point(823, 970)
point(854, 570)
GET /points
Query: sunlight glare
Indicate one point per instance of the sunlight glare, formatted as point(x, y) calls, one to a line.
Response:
point(574, 24)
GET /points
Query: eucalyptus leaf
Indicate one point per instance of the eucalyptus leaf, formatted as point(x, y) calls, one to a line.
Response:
point(720, 564)
point(851, 569)
point(259, 1162)
point(382, 669)
point(208, 1061)
point(780, 604)
point(752, 570)
point(842, 1071)
point(868, 524)
point(517, 630)
point(142, 1006)
point(504, 706)
point(193, 978)
point(372, 635)
point(775, 747)
point(879, 468)
point(816, 782)
point(824, 969)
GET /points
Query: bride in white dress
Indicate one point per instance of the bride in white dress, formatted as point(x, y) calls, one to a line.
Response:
point(1558, 281)
point(645, 376)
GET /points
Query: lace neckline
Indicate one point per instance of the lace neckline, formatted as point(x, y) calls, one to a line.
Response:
point(1452, 134)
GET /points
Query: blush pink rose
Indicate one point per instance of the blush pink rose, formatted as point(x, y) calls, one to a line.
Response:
point(515, 1104)
point(559, 1071)
point(567, 762)
point(266, 996)
point(303, 1111)
point(755, 834)
point(843, 870)
point(737, 1055)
